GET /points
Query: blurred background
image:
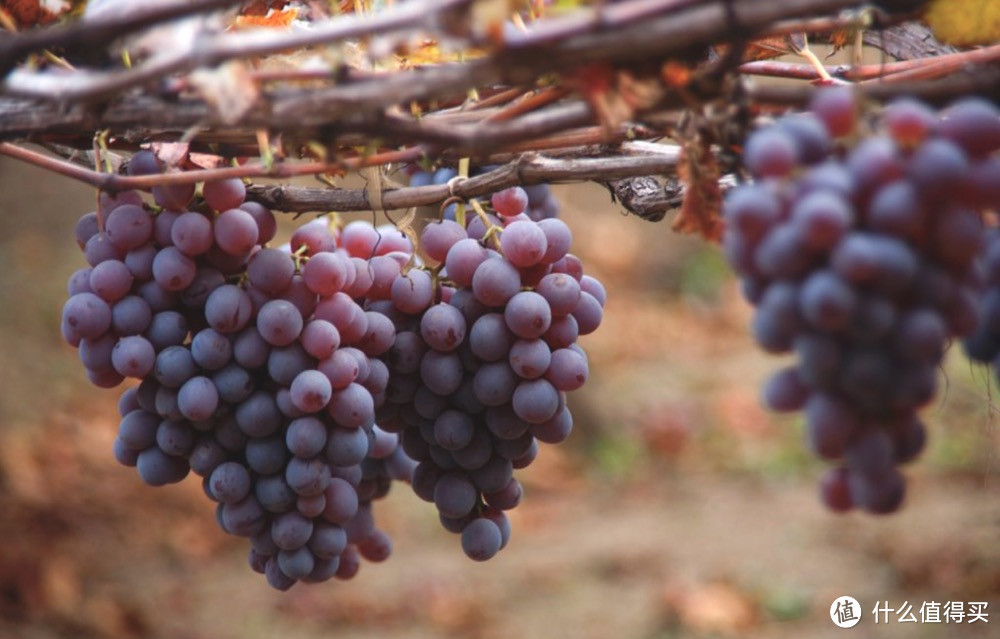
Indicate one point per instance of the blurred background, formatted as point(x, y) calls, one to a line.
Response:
point(677, 508)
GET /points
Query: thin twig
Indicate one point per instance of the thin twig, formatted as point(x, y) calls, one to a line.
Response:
point(630, 161)
point(944, 65)
point(529, 103)
point(985, 81)
point(929, 67)
point(114, 182)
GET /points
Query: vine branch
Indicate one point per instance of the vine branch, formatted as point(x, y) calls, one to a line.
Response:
point(629, 32)
point(577, 96)
point(628, 160)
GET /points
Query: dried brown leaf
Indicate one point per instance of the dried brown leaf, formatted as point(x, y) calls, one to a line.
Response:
point(675, 74)
point(172, 154)
point(261, 7)
point(762, 49)
point(30, 13)
point(206, 161)
point(279, 19)
point(840, 38)
point(700, 209)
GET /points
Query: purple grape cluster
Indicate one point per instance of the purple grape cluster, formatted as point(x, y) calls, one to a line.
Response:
point(862, 260)
point(483, 355)
point(300, 381)
point(259, 368)
point(537, 201)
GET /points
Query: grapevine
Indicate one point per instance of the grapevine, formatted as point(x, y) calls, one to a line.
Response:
point(302, 381)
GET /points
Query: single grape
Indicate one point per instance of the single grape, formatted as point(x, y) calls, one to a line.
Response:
point(412, 292)
point(495, 282)
point(481, 539)
point(554, 430)
point(352, 406)
point(439, 236)
point(810, 134)
point(442, 327)
point(224, 194)
point(535, 401)
point(837, 109)
point(174, 197)
point(271, 270)
point(198, 398)
point(972, 123)
point(279, 322)
point(568, 370)
point(258, 415)
point(463, 260)
point(228, 309)
point(320, 338)
point(523, 243)
point(770, 153)
point(267, 226)
point(909, 121)
point(442, 373)
point(128, 227)
point(510, 201)
point(133, 356)
point(360, 239)
point(454, 495)
point(236, 232)
point(311, 391)
point(210, 349)
point(156, 468)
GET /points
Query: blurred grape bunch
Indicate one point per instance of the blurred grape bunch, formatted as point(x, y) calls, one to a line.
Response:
point(863, 260)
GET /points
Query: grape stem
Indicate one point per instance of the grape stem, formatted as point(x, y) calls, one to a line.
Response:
point(492, 230)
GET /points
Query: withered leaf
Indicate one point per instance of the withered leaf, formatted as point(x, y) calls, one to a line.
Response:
point(702, 203)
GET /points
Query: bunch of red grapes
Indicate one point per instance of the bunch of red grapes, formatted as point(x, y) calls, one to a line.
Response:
point(859, 243)
point(300, 381)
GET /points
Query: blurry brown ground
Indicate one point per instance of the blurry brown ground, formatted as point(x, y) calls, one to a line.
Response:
point(678, 508)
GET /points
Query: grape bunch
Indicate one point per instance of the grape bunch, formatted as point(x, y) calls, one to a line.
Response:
point(861, 258)
point(483, 354)
point(300, 381)
point(537, 201)
point(254, 370)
